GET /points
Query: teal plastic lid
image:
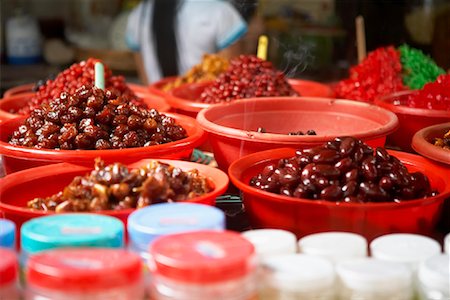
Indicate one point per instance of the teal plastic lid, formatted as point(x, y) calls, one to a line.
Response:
point(71, 230)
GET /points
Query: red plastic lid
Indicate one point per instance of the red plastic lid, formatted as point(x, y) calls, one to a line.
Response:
point(8, 266)
point(87, 269)
point(202, 256)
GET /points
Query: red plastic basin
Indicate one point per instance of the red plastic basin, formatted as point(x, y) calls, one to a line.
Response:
point(20, 89)
point(18, 188)
point(156, 88)
point(16, 158)
point(423, 140)
point(411, 119)
point(303, 216)
point(16, 100)
point(308, 88)
point(232, 127)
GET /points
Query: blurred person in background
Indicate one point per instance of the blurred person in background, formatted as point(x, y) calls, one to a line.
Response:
point(171, 36)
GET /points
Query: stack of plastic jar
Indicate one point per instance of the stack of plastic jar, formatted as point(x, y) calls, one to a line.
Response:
point(151, 222)
point(203, 265)
point(334, 245)
point(298, 277)
point(269, 242)
point(70, 230)
point(84, 273)
point(434, 279)
point(7, 234)
point(9, 289)
point(371, 279)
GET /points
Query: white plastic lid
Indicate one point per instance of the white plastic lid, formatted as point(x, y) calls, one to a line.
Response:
point(370, 275)
point(268, 242)
point(404, 248)
point(334, 245)
point(447, 244)
point(299, 272)
point(434, 273)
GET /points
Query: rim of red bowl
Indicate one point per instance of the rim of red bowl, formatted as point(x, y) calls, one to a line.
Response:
point(386, 102)
point(20, 89)
point(238, 167)
point(5, 115)
point(311, 83)
point(217, 176)
point(194, 139)
point(422, 145)
point(157, 86)
point(188, 104)
point(247, 135)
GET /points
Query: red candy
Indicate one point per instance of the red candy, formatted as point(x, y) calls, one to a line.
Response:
point(73, 78)
point(434, 95)
point(378, 74)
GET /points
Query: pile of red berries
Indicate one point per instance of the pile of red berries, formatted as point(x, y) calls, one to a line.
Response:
point(247, 77)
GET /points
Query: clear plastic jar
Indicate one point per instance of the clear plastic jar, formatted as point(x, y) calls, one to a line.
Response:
point(203, 265)
point(9, 289)
point(84, 273)
point(371, 279)
point(297, 277)
point(269, 242)
point(335, 246)
point(7, 234)
point(434, 278)
point(70, 230)
point(151, 222)
point(408, 249)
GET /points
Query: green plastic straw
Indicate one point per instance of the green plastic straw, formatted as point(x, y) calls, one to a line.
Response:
point(99, 75)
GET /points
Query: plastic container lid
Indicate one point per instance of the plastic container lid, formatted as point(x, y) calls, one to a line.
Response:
point(7, 233)
point(8, 266)
point(434, 273)
point(300, 272)
point(148, 223)
point(447, 244)
point(71, 230)
point(268, 242)
point(335, 246)
point(83, 269)
point(369, 275)
point(202, 257)
point(405, 248)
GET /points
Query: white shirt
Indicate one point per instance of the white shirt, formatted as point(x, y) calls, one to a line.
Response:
point(202, 26)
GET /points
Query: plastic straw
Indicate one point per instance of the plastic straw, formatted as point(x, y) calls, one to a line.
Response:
point(263, 42)
point(99, 75)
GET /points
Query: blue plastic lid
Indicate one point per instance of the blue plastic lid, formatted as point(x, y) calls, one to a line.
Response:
point(71, 230)
point(148, 223)
point(7, 233)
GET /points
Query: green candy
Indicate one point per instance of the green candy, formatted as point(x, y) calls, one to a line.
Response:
point(418, 68)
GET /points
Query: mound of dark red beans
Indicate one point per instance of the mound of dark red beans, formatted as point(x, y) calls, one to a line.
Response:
point(247, 77)
point(115, 187)
point(73, 78)
point(94, 119)
point(343, 170)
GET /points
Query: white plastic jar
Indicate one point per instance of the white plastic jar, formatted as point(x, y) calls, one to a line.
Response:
point(9, 288)
point(447, 244)
point(335, 246)
point(203, 265)
point(297, 277)
point(84, 273)
point(405, 248)
point(434, 278)
point(371, 279)
point(269, 242)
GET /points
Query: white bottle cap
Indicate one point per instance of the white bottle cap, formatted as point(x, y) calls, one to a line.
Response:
point(447, 244)
point(335, 246)
point(434, 274)
point(371, 275)
point(410, 249)
point(299, 272)
point(268, 242)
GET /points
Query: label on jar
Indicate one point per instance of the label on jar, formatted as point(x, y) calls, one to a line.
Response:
point(66, 230)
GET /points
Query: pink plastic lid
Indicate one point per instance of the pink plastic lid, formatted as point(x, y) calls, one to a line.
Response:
point(8, 266)
point(202, 256)
point(86, 269)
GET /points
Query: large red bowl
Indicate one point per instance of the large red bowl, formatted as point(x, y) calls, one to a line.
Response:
point(18, 188)
point(232, 127)
point(423, 140)
point(20, 89)
point(157, 87)
point(16, 100)
point(411, 119)
point(303, 216)
point(183, 99)
point(16, 158)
